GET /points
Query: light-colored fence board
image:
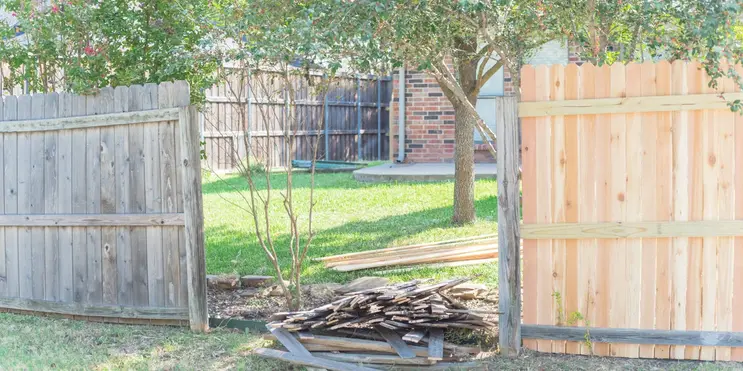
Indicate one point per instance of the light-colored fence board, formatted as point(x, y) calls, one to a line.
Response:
point(90, 183)
point(631, 219)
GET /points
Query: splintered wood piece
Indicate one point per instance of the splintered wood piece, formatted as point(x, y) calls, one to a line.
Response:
point(289, 342)
point(414, 336)
point(396, 342)
point(387, 325)
point(310, 360)
point(436, 344)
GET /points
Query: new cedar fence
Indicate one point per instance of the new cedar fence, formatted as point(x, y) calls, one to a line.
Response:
point(356, 112)
point(101, 214)
point(633, 212)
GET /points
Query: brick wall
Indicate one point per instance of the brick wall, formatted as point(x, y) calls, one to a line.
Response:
point(429, 120)
point(429, 116)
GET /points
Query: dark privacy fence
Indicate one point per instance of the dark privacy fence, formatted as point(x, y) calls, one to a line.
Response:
point(356, 110)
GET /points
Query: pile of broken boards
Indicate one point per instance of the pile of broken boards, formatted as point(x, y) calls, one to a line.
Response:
point(398, 326)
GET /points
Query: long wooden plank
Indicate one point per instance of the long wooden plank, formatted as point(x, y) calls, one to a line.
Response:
point(289, 341)
point(509, 211)
point(664, 207)
point(362, 358)
point(52, 279)
point(360, 344)
point(194, 229)
point(587, 204)
point(10, 198)
point(710, 209)
point(645, 295)
point(571, 190)
point(110, 272)
point(737, 322)
point(166, 95)
point(726, 210)
point(635, 336)
point(559, 183)
point(436, 344)
point(418, 252)
point(123, 177)
point(681, 172)
point(153, 204)
point(90, 121)
point(396, 342)
point(610, 230)
point(617, 105)
point(544, 294)
point(25, 255)
point(182, 98)
point(617, 267)
point(602, 88)
point(481, 252)
point(529, 202)
point(79, 206)
point(139, 99)
point(3, 245)
point(94, 310)
point(64, 160)
point(309, 361)
point(693, 275)
point(93, 193)
point(636, 167)
point(403, 249)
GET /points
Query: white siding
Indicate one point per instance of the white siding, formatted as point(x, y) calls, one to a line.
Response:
point(553, 52)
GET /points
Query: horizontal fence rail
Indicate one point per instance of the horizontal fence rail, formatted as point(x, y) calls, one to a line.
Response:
point(633, 215)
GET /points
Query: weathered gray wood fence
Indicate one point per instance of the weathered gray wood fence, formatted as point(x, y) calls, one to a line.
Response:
point(101, 213)
point(356, 112)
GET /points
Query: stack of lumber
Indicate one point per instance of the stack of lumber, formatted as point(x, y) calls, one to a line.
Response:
point(469, 250)
point(400, 325)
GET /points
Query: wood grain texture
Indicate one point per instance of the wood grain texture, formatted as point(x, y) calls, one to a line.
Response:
point(396, 342)
point(10, 198)
point(655, 226)
point(194, 231)
point(618, 105)
point(544, 293)
point(436, 344)
point(309, 361)
point(64, 161)
point(50, 194)
point(736, 354)
point(635, 336)
point(81, 121)
point(93, 310)
point(25, 255)
point(529, 204)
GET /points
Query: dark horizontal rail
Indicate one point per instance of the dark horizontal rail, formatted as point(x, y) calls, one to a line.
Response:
point(633, 336)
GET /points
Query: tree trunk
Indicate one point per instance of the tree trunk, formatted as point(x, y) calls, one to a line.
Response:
point(464, 167)
point(464, 136)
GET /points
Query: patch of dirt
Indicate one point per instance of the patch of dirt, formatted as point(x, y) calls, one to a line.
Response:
point(230, 304)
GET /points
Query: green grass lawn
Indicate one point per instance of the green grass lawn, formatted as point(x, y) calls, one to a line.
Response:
point(349, 216)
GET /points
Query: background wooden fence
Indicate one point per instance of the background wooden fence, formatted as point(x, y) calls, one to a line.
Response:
point(101, 211)
point(356, 111)
point(633, 212)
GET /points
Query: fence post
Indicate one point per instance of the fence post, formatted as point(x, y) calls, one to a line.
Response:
point(326, 124)
point(379, 119)
point(194, 215)
point(248, 129)
point(509, 241)
point(358, 117)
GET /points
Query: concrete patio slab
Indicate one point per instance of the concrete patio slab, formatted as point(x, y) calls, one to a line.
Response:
point(421, 172)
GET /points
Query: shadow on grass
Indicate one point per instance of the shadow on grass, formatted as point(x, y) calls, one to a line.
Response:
point(247, 257)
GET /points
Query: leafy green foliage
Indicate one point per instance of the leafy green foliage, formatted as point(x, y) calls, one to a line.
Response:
point(81, 45)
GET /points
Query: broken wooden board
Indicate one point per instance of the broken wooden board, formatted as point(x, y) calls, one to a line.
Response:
point(310, 360)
